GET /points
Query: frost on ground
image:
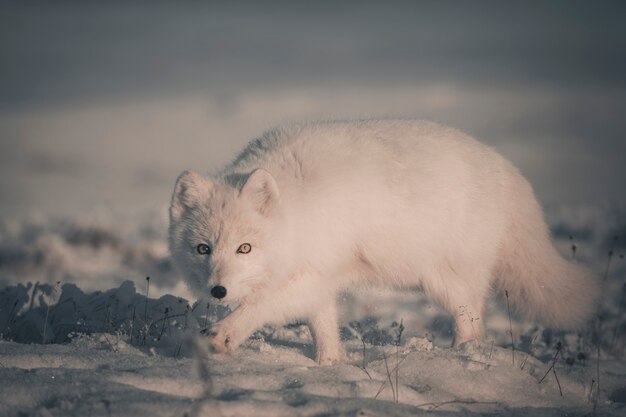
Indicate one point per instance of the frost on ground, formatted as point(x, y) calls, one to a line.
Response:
point(77, 339)
point(99, 375)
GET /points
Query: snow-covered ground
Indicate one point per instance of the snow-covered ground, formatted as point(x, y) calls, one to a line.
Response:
point(79, 337)
point(102, 376)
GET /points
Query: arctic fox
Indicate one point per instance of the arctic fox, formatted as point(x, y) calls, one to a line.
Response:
point(308, 210)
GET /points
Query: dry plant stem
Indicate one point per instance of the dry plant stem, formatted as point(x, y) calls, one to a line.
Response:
point(180, 345)
point(11, 315)
point(508, 307)
point(156, 322)
point(45, 325)
point(398, 341)
point(106, 320)
point(164, 322)
point(434, 406)
point(382, 386)
point(553, 369)
point(589, 397)
point(397, 371)
point(364, 363)
point(145, 312)
point(573, 247)
point(359, 336)
point(556, 355)
point(596, 398)
point(393, 390)
point(557, 380)
point(526, 358)
point(132, 324)
point(598, 327)
point(113, 348)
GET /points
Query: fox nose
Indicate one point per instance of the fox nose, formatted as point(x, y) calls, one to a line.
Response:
point(218, 292)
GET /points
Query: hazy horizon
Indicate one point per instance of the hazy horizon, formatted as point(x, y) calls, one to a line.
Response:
point(102, 105)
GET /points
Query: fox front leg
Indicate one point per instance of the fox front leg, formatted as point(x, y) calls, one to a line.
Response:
point(325, 331)
point(278, 307)
point(227, 334)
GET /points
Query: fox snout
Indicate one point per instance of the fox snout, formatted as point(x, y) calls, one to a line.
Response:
point(218, 292)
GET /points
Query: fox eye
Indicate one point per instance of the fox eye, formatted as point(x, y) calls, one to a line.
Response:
point(244, 248)
point(203, 249)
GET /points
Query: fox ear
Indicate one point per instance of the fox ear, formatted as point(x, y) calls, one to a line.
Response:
point(261, 190)
point(190, 190)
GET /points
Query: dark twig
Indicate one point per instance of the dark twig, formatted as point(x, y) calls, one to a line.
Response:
point(382, 386)
point(55, 289)
point(10, 316)
point(598, 328)
point(164, 322)
point(398, 341)
point(508, 307)
point(526, 358)
point(437, 405)
point(145, 312)
point(355, 329)
point(364, 367)
point(393, 390)
point(180, 345)
point(105, 325)
point(553, 369)
point(173, 316)
point(132, 323)
point(573, 247)
point(589, 397)
point(596, 398)
point(557, 380)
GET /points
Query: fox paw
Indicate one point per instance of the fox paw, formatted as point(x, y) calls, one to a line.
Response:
point(221, 339)
point(329, 359)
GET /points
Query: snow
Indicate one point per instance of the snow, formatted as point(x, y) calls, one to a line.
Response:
point(78, 336)
point(90, 375)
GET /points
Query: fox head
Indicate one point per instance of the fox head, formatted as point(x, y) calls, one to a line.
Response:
point(224, 238)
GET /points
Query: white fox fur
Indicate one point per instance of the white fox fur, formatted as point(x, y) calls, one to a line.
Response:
point(394, 203)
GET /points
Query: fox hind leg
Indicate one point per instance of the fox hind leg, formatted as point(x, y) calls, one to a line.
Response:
point(468, 322)
point(464, 299)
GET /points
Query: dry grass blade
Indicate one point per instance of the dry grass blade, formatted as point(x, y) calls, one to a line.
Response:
point(508, 307)
point(553, 369)
point(434, 406)
point(393, 389)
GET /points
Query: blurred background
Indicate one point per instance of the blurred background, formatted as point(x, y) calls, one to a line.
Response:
point(103, 104)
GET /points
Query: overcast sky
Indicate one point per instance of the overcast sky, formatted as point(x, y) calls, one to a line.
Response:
point(102, 104)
